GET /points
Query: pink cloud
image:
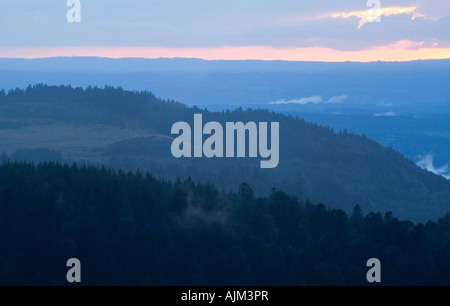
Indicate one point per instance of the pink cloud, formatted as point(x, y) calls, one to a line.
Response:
point(407, 44)
point(399, 51)
point(372, 14)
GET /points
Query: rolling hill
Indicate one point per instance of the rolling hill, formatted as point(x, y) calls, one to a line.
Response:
point(131, 130)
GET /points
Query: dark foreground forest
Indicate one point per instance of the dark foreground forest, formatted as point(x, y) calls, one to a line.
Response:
point(133, 229)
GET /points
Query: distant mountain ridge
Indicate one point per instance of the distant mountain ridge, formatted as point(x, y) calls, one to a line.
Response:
point(131, 65)
point(131, 130)
point(409, 88)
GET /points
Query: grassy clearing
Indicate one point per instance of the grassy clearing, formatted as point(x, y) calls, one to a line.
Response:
point(75, 141)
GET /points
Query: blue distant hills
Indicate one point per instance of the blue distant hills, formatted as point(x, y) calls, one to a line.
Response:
point(379, 88)
point(403, 105)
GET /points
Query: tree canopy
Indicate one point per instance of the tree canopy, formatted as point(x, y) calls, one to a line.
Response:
point(131, 228)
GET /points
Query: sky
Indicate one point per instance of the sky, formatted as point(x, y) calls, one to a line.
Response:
point(350, 30)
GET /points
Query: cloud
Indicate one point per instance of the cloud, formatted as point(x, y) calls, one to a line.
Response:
point(407, 45)
point(302, 101)
point(373, 14)
point(337, 99)
point(384, 104)
point(295, 30)
point(387, 114)
point(426, 162)
point(383, 53)
point(312, 100)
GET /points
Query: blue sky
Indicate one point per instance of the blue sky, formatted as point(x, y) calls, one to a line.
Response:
point(178, 25)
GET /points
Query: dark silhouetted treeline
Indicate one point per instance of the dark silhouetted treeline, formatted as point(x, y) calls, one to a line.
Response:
point(133, 229)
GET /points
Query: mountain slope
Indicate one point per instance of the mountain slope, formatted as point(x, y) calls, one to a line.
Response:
point(131, 130)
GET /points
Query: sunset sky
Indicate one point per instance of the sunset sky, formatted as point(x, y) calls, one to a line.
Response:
point(229, 29)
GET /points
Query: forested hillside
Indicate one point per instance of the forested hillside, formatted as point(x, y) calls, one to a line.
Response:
point(131, 130)
point(135, 229)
